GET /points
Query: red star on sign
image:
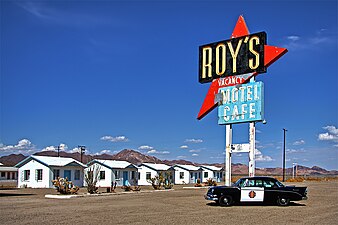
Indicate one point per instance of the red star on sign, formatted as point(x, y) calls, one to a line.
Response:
point(271, 54)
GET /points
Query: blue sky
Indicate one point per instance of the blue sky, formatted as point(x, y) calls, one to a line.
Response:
point(112, 75)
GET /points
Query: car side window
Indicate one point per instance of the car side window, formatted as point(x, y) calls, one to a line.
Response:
point(259, 183)
point(249, 183)
point(269, 184)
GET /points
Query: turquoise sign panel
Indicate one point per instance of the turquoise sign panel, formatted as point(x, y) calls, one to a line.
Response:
point(241, 103)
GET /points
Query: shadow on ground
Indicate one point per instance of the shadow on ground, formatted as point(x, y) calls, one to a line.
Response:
point(292, 204)
point(13, 194)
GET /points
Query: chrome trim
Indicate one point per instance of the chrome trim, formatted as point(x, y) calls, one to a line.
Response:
point(210, 198)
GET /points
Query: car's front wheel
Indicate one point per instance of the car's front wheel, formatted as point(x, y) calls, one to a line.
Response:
point(225, 200)
point(283, 201)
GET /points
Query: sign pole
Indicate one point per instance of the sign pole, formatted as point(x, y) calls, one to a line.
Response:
point(228, 143)
point(252, 142)
point(252, 134)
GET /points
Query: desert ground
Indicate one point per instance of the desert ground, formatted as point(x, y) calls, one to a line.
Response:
point(178, 206)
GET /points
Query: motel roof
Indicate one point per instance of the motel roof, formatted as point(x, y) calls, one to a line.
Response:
point(188, 167)
point(8, 169)
point(51, 161)
point(213, 168)
point(156, 166)
point(112, 164)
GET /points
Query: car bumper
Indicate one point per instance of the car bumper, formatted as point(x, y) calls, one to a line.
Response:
point(211, 197)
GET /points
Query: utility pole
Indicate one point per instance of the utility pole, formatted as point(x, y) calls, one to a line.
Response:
point(82, 150)
point(284, 155)
point(58, 150)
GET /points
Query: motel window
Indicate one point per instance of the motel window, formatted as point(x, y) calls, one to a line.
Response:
point(38, 174)
point(3, 174)
point(102, 175)
point(139, 175)
point(13, 175)
point(26, 174)
point(116, 172)
point(205, 174)
point(148, 176)
point(181, 175)
point(56, 174)
point(77, 175)
point(132, 174)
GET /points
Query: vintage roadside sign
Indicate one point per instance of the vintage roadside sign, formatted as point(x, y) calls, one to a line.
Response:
point(240, 148)
point(232, 57)
point(271, 54)
point(242, 103)
point(231, 66)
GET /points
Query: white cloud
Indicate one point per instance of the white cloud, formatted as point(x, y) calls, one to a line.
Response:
point(63, 16)
point(319, 38)
point(260, 157)
point(114, 139)
point(145, 147)
point(62, 147)
point(332, 129)
point(194, 155)
point(295, 150)
point(331, 135)
point(24, 146)
point(181, 157)
point(184, 146)
point(299, 142)
point(153, 151)
point(193, 140)
point(293, 38)
point(194, 150)
point(74, 150)
point(103, 152)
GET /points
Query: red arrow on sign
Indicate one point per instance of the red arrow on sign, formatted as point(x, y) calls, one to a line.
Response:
point(271, 54)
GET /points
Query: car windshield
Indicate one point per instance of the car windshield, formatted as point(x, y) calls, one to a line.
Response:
point(239, 183)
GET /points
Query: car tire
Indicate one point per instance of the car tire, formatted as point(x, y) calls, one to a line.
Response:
point(283, 201)
point(225, 200)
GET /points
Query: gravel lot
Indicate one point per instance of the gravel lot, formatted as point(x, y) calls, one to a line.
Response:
point(181, 206)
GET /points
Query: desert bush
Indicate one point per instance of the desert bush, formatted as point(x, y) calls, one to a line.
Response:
point(136, 188)
point(126, 188)
point(63, 186)
point(160, 181)
point(211, 182)
point(156, 182)
point(92, 177)
point(198, 183)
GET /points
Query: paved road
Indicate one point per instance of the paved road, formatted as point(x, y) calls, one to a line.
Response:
point(181, 206)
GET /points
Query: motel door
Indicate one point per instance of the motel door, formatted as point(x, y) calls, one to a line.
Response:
point(125, 178)
point(68, 174)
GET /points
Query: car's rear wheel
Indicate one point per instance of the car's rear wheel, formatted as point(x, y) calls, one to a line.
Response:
point(283, 201)
point(225, 200)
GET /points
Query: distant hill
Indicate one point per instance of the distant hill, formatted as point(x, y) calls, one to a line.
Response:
point(12, 159)
point(136, 158)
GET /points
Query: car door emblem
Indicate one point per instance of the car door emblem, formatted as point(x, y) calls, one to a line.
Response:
point(252, 194)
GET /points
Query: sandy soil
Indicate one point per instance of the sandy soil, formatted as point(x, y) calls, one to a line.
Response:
point(181, 206)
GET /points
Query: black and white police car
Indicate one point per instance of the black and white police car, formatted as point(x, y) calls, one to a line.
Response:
point(256, 189)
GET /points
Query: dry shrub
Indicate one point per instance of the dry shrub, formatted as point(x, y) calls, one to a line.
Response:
point(211, 182)
point(126, 188)
point(65, 187)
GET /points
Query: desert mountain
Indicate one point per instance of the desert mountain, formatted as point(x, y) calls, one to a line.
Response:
point(136, 158)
